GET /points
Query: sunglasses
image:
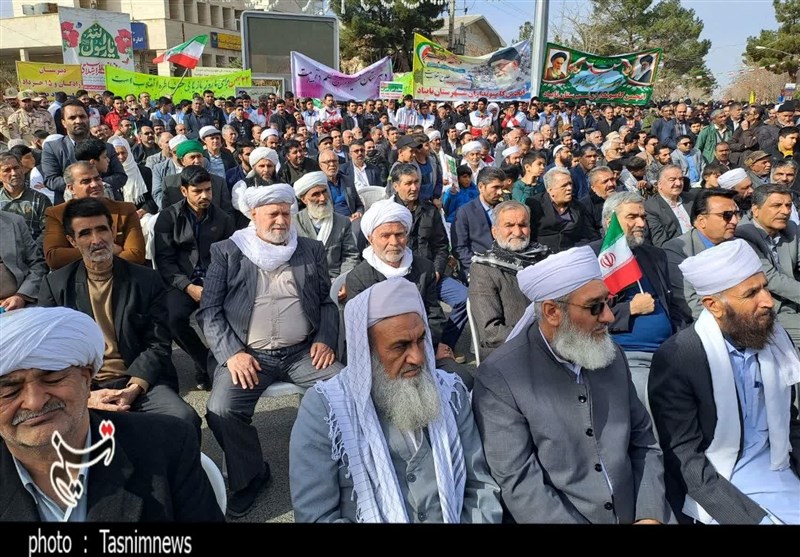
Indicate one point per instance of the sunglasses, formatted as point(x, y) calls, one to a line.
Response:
point(595, 309)
point(727, 215)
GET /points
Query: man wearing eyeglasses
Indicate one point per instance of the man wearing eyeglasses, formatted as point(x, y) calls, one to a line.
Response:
point(774, 237)
point(643, 312)
point(146, 145)
point(714, 217)
point(690, 160)
point(668, 212)
point(564, 433)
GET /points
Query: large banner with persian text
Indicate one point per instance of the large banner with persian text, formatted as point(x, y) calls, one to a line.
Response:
point(440, 75)
point(123, 82)
point(314, 79)
point(96, 39)
point(570, 75)
point(49, 77)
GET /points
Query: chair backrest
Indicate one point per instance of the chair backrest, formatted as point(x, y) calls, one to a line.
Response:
point(217, 481)
point(473, 332)
point(371, 194)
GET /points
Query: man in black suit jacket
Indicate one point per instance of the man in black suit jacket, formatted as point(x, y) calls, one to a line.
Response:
point(127, 302)
point(359, 170)
point(668, 211)
point(268, 316)
point(153, 473)
point(643, 311)
point(58, 154)
point(183, 235)
point(352, 120)
point(471, 232)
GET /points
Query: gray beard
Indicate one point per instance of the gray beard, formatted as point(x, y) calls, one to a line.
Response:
point(320, 212)
point(513, 244)
point(582, 348)
point(408, 404)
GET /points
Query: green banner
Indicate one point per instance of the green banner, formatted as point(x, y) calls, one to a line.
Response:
point(571, 75)
point(122, 82)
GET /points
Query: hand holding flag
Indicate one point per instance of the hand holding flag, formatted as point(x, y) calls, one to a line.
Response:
point(187, 54)
point(617, 263)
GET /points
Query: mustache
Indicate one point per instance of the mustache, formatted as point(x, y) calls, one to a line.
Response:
point(25, 415)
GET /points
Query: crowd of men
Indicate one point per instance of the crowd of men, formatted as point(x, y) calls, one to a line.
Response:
point(330, 245)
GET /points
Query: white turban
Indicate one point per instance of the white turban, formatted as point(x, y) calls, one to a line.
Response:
point(720, 267)
point(268, 195)
point(393, 297)
point(383, 211)
point(260, 153)
point(433, 134)
point(175, 141)
point(731, 178)
point(461, 126)
point(471, 147)
point(268, 132)
point(493, 109)
point(510, 151)
point(308, 181)
point(558, 275)
point(50, 339)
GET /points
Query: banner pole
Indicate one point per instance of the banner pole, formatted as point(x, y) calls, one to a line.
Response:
point(539, 44)
point(179, 83)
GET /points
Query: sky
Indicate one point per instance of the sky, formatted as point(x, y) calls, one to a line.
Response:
point(727, 23)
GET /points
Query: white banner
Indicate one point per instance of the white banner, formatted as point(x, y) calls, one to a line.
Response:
point(94, 39)
point(313, 79)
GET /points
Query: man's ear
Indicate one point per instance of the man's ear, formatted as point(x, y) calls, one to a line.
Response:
point(552, 313)
point(714, 305)
point(71, 240)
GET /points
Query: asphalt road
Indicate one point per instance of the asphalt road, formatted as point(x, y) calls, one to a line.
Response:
point(273, 418)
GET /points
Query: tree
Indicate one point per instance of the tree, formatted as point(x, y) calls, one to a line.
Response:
point(525, 32)
point(781, 49)
point(762, 81)
point(622, 26)
point(375, 32)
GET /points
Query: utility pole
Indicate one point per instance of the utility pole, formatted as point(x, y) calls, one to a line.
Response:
point(451, 26)
point(538, 44)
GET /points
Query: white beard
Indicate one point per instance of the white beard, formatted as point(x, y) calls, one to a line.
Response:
point(408, 404)
point(583, 349)
point(320, 212)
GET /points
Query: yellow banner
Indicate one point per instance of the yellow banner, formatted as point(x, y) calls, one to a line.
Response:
point(122, 82)
point(49, 78)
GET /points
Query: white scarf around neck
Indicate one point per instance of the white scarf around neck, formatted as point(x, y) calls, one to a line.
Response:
point(780, 369)
point(325, 228)
point(384, 268)
point(264, 255)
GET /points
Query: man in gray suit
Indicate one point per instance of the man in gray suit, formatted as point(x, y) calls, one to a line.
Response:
point(267, 315)
point(496, 302)
point(714, 217)
point(58, 154)
point(320, 222)
point(564, 432)
point(22, 265)
point(668, 210)
point(773, 236)
point(409, 422)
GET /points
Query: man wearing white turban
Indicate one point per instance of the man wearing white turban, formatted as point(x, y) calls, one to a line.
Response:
point(564, 432)
point(151, 471)
point(721, 396)
point(319, 221)
point(391, 438)
point(264, 165)
point(268, 316)
point(738, 181)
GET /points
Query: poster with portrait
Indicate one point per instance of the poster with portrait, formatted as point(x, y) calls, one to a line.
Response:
point(440, 75)
point(96, 39)
point(572, 75)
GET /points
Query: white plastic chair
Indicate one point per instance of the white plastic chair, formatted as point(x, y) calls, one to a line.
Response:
point(371, 194)
point(216, 479)
point(473, 332)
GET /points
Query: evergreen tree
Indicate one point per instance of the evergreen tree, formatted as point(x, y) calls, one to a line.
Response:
point(781, 48)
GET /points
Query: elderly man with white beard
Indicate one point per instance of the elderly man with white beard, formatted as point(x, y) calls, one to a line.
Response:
point(391, 438)
point(496, 302)
point(565, 435)
point(267, 314)
point(320, 222)
point(721, 395)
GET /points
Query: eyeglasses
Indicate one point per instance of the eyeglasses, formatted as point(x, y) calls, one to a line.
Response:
point(685, 143)
point(727, 215)
point(595, 309)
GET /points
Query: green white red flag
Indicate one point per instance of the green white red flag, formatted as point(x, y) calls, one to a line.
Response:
point(617, 263)
point(186, 54)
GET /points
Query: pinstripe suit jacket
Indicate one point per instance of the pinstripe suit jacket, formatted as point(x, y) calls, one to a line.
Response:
point(229, 293)
point(548, 439)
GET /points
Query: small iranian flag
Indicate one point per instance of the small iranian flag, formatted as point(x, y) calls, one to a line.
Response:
point(617, 263)
point(187, 54)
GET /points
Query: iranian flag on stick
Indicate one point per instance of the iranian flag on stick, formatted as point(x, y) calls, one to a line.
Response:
point(617, 263)
point(186, 54)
